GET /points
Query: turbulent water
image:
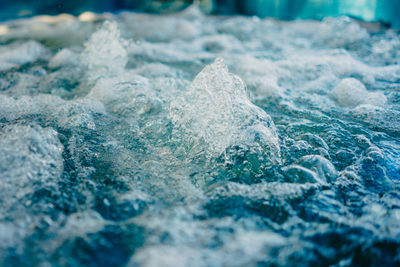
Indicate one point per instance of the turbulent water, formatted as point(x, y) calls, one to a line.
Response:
point(192, 140)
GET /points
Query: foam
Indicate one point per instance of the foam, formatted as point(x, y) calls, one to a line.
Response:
point(16, 55)
point(351, 92)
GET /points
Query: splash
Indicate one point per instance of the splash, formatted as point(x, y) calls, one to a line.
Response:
point(186, 139)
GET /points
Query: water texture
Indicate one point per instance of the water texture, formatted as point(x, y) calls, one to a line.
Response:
point(193, 140)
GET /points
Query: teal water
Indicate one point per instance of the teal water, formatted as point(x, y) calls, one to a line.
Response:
point(387, 11)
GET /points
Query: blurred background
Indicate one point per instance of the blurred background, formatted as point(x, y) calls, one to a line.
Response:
point(386, 11)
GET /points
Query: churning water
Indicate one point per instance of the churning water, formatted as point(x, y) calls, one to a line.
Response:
point(192, 140)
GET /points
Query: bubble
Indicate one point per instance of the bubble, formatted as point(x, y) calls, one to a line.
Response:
point(351, 92)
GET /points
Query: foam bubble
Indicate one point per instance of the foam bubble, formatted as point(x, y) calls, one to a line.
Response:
point(350, 93)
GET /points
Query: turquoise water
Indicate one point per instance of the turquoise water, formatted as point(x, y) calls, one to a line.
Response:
point(370, 10)
point(387, 11)
point(193, 140)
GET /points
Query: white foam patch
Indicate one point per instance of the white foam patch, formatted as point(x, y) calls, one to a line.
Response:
point(16, 55)
point(65, 57)
point(350, 93)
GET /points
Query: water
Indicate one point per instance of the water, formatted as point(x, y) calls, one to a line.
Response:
point(370, 10)
point(185, 139)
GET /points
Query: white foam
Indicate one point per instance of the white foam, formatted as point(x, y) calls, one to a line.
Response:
point(65, 57)
point(351, 92)
point(16, 55)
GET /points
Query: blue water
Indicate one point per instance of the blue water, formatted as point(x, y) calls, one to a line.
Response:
point(387, 11)
point(370, 10)
point(193, 140)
